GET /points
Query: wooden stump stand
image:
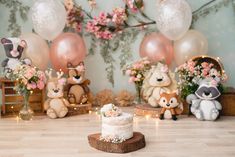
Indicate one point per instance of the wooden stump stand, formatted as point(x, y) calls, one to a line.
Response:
point(135, 143)
point(79, 109)
point(147, 110)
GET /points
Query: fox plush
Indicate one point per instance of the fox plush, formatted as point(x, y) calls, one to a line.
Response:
point(171, 106)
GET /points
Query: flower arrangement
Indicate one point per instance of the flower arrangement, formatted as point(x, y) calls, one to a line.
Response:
point(112, 139)
point(110, 110)
point(27, 79)
point(192, 72)
point(137, 71)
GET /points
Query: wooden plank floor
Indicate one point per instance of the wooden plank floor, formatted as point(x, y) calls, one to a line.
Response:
point(187, 137)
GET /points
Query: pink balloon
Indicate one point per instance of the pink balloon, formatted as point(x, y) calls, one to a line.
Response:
point(67, 47)
point(157, 47)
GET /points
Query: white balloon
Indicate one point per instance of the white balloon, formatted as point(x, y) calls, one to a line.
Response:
point(173, 18)
point(193, 43)
point(49, 18)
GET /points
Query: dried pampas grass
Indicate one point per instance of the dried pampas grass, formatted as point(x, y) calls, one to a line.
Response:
point(124, 98)
point(105, 96)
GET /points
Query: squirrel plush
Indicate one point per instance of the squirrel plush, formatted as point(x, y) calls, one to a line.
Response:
point(78, 91)
point(171, 106)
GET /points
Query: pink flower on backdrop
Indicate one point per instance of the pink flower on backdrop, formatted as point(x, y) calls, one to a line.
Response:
point(128, 72)
point(131, 79)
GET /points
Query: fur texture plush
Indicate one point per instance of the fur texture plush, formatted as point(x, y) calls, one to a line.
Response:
point(125, 98)
point(14, 48)
point(78, 92)
point(203, 103)
point(158, 80)
point(56, 105)
point(171, 106)
point(105, 96)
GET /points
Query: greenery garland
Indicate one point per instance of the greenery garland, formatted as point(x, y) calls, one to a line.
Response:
point(122, 41)
point(15, 6)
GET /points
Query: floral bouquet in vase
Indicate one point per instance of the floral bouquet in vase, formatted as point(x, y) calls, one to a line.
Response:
point(27, 79)
point(137, 71)
point(193, 71)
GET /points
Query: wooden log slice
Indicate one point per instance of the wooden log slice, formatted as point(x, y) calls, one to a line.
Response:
point(135, 143)
point(147, 110)
point(79, 109)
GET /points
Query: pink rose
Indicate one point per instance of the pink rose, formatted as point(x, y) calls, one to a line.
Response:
point(128, 72)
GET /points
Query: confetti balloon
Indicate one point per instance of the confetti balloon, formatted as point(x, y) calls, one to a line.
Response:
point(49, 18)
point(173, 18)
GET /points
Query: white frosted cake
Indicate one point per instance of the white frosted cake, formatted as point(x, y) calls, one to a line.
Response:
point(116, 125)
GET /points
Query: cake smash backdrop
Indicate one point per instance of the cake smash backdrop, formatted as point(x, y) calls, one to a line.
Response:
point(215, 22)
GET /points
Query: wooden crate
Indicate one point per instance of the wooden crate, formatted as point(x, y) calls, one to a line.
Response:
point(12, 102)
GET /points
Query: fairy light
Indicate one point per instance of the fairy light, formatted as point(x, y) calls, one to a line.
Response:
point(218, 59)
point(147, 116)
point(90, 112)
point(203, 56)
point(31, 92)
point(12, 107)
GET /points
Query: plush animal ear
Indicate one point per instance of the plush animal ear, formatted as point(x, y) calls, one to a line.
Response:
point(69, 65)
point(23, 43)
point(5, 40)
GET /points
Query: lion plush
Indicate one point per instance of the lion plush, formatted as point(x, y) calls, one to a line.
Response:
point(78, 91)
point(171, 106)
point(56, 105)
point(158, 80)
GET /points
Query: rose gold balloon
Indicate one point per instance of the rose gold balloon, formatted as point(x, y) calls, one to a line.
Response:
point(67, 47)
point(157, 47)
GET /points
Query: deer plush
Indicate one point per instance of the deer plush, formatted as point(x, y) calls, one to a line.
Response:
point(56, 105)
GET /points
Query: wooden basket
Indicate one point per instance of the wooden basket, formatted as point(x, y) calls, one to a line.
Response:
point(12, 102)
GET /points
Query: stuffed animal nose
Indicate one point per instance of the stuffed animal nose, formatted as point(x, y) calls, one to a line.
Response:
point(56, 91)
point(159, 80)
point(167, 105)
point(207, 93)
point(77, 77)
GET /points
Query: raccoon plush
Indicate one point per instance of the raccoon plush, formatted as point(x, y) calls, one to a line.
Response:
point(171, 106)
point(14, 48)
point(204, 103)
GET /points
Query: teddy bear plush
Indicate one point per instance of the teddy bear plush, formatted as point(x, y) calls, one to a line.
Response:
point(203, 103)
point(14, 48)
point(171, 105)
point(78, 90)
point(56, 105)
point(158, 80)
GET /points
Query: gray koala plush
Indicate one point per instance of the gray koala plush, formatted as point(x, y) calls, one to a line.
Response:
point(204, 103)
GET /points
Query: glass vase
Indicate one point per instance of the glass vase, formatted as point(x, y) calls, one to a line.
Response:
point(138, 88)
point(26, 113)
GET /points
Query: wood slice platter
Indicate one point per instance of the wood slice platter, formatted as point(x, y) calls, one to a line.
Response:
point(135, 143)
point(147, 110)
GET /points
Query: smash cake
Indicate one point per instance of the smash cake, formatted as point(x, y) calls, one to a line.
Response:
point(117, 126)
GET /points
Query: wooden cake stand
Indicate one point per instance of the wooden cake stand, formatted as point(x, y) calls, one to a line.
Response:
point(130, 145)
point(147, 110)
